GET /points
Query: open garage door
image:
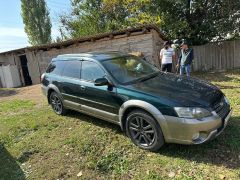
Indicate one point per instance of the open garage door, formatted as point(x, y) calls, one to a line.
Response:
point(25, 72)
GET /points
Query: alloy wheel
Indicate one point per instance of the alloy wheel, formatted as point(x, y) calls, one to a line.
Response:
point(56, 103)
point(142, 131)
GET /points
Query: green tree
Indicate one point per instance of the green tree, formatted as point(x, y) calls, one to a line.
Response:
point(198, 21)
point(90, 17)
point(37, 21)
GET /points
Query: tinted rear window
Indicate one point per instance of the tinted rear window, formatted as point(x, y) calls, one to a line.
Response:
point(55, 67)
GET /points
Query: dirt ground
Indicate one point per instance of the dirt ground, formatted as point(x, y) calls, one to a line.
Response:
point(27, 93)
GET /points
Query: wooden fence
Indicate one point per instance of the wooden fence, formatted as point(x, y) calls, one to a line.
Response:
point(217, 56)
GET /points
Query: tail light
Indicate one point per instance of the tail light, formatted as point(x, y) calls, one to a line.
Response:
point(42, 77)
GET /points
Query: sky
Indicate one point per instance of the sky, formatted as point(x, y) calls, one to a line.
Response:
point(12, 35)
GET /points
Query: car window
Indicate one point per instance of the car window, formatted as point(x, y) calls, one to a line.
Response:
point(91, 71)
point(55, 67)
point(72, 69)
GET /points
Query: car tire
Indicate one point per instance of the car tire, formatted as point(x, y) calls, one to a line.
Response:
point(56, 103)
point(144, 131)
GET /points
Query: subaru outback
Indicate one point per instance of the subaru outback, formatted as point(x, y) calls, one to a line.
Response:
point(151, 106)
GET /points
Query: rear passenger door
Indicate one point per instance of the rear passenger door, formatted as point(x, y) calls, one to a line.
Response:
point(70, 82)
point(97, 97)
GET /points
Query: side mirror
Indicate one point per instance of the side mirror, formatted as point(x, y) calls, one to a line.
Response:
point(101, 82)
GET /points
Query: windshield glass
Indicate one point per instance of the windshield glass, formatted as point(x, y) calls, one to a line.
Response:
point(129, 69)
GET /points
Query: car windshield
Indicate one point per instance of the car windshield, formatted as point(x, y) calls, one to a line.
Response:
point(129, 69)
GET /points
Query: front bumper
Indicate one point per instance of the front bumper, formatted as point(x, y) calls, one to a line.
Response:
point(213, 134)
point(193, 131)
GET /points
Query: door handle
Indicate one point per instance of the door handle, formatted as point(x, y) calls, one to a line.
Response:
point(82, 88)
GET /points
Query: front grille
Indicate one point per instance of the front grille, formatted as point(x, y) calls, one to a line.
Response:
point(222, 108)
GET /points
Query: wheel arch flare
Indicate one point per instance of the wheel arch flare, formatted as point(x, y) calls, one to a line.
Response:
point(139, 104)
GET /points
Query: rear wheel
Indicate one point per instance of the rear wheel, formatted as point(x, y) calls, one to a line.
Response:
point(144, 131)
point(57, 104)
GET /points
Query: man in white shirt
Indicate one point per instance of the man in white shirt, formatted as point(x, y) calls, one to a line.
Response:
point(167, 56)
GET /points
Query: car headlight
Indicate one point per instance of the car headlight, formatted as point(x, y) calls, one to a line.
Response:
point(192, 112)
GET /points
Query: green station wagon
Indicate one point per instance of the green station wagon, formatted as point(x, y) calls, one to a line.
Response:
point(151, 106)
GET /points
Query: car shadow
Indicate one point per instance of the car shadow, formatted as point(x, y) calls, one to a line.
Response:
point(7, 92)
point(222, 151)
point(95, 121)
point(9, 168)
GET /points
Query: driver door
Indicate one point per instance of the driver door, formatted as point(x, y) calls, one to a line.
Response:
point(102, 101)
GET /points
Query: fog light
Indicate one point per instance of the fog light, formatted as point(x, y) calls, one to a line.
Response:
point(195, 136)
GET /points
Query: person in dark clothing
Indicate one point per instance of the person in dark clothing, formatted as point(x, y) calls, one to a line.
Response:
point(185, 59)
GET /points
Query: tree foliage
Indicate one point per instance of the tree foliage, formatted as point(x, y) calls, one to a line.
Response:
point(90, 17)
point(37, 22)
point(198, 21)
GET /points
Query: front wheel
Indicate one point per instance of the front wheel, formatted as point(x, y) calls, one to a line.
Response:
point(57, 104)
point(144, 131)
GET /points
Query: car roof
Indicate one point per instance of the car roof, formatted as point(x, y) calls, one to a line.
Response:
point(99, 56)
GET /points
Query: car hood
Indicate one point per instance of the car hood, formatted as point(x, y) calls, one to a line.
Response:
point(182, 90)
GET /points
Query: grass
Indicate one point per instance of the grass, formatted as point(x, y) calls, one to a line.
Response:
point(37, 144)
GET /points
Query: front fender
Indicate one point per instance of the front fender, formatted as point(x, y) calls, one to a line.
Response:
point(147, 107)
